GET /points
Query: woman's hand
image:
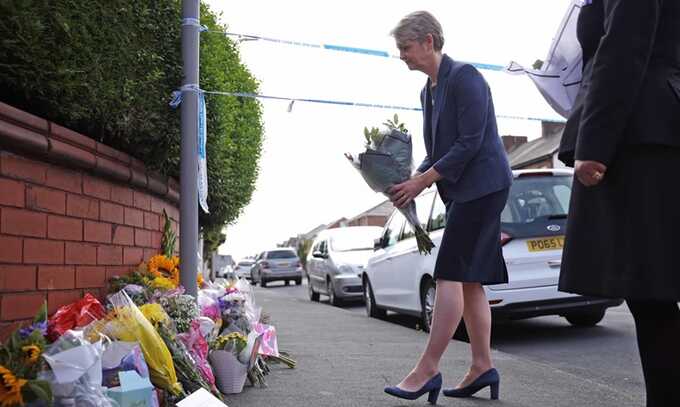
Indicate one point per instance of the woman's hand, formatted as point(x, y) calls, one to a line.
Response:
point(590, 173)
point(402, 194)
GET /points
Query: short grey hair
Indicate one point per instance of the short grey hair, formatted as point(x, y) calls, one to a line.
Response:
point(416, 26)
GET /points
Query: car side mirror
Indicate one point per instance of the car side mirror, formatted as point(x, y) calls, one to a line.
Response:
point(378, 243)
point(318, 255)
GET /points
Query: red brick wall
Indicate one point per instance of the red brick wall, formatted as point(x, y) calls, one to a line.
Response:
point(72, 215)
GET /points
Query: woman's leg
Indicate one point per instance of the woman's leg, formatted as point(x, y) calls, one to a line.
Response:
point(477, 316)
point(448, 310)
point(658, 333)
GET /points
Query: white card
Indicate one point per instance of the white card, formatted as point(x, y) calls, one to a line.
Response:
point(202, 398)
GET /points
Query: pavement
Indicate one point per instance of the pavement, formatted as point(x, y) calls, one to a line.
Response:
point(345, 359)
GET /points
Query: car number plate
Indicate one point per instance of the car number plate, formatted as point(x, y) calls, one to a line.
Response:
point(283, 264)
point(546, 243)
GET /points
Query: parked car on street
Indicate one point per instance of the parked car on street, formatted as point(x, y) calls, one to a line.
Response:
point(280, 264)
point(225, 271)
point(242, 268)
point(533, 224)
point(337, 260)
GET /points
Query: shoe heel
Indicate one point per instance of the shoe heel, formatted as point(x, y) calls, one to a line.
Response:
point(495, 390)
point(434, 394)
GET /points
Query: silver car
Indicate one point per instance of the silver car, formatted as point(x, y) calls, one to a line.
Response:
point(337, 260)
point(281, 264)
point(242, 268)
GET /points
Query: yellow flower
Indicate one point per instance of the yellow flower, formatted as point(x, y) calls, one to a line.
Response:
point(33, 353)
point(10, 389)
point(154, 313)
point(163, 283)
point(161, 266)
point(199, 280)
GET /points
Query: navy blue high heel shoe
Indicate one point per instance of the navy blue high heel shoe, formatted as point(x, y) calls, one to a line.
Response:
point(490, 378)
point(433, 386)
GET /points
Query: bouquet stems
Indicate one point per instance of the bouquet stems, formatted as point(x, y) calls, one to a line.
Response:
point(283, 358)
point(423, 240)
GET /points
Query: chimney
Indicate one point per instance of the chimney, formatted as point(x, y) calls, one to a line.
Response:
point(551, 128)
point(512, 142)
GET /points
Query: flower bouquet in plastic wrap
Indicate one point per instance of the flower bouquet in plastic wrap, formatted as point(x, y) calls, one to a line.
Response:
point(386, 162)
point(189, 361)
point(21, 362)
point(128, 323)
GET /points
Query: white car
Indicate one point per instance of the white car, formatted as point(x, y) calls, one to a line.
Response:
point(337, 260)
point(533, 222)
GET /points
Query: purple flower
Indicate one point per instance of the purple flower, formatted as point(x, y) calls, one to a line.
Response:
point(40, 326)
point(224, 304)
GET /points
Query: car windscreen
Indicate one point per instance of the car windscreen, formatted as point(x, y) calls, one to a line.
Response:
point(281, 254)
point(537, 206)
point(352, 242)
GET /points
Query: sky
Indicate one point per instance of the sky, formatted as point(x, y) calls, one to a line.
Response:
point(304, 179)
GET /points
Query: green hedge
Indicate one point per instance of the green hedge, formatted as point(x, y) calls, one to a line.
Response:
point(106, 68)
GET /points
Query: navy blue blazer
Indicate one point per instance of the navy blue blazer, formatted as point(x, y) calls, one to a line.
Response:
point(461, 137)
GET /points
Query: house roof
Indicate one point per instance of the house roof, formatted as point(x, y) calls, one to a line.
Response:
point(382, 209)
point(312, 233)
point(535, 150)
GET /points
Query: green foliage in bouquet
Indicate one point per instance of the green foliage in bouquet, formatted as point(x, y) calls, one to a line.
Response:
point(169, 237)
point(20, 362)
point(374, 137)
point(185, 366)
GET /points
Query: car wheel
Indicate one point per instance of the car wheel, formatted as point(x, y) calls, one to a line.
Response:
point(287, 282)
point(372, 309)
point(427, 295)
point(252, 279)
point(298, 281)
point(313, 295)
point(333, 298)
point(586, 318)
point(263, 283)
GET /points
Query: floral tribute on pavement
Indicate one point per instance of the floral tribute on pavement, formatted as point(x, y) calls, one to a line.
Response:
point(150, 345)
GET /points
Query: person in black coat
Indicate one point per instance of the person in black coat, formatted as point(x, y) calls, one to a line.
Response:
point(623, 140)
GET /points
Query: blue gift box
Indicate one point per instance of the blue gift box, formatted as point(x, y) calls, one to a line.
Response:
point(134, 390)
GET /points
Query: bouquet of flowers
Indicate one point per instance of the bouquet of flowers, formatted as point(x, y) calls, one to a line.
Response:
point(182, 309)
point(20, 362)
point(132, 324)
point(234, 342)
point(386, 162)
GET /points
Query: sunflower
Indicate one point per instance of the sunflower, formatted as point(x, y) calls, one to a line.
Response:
point(32, 353)
point(174, 276)
point(160, 266)
point(10, 388)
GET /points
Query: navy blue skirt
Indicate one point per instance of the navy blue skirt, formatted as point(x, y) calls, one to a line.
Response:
point(470, 250)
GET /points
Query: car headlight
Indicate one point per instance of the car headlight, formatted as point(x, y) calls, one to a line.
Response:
point(346, 269)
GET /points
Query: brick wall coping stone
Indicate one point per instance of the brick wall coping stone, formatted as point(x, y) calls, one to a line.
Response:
point(23, 132)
